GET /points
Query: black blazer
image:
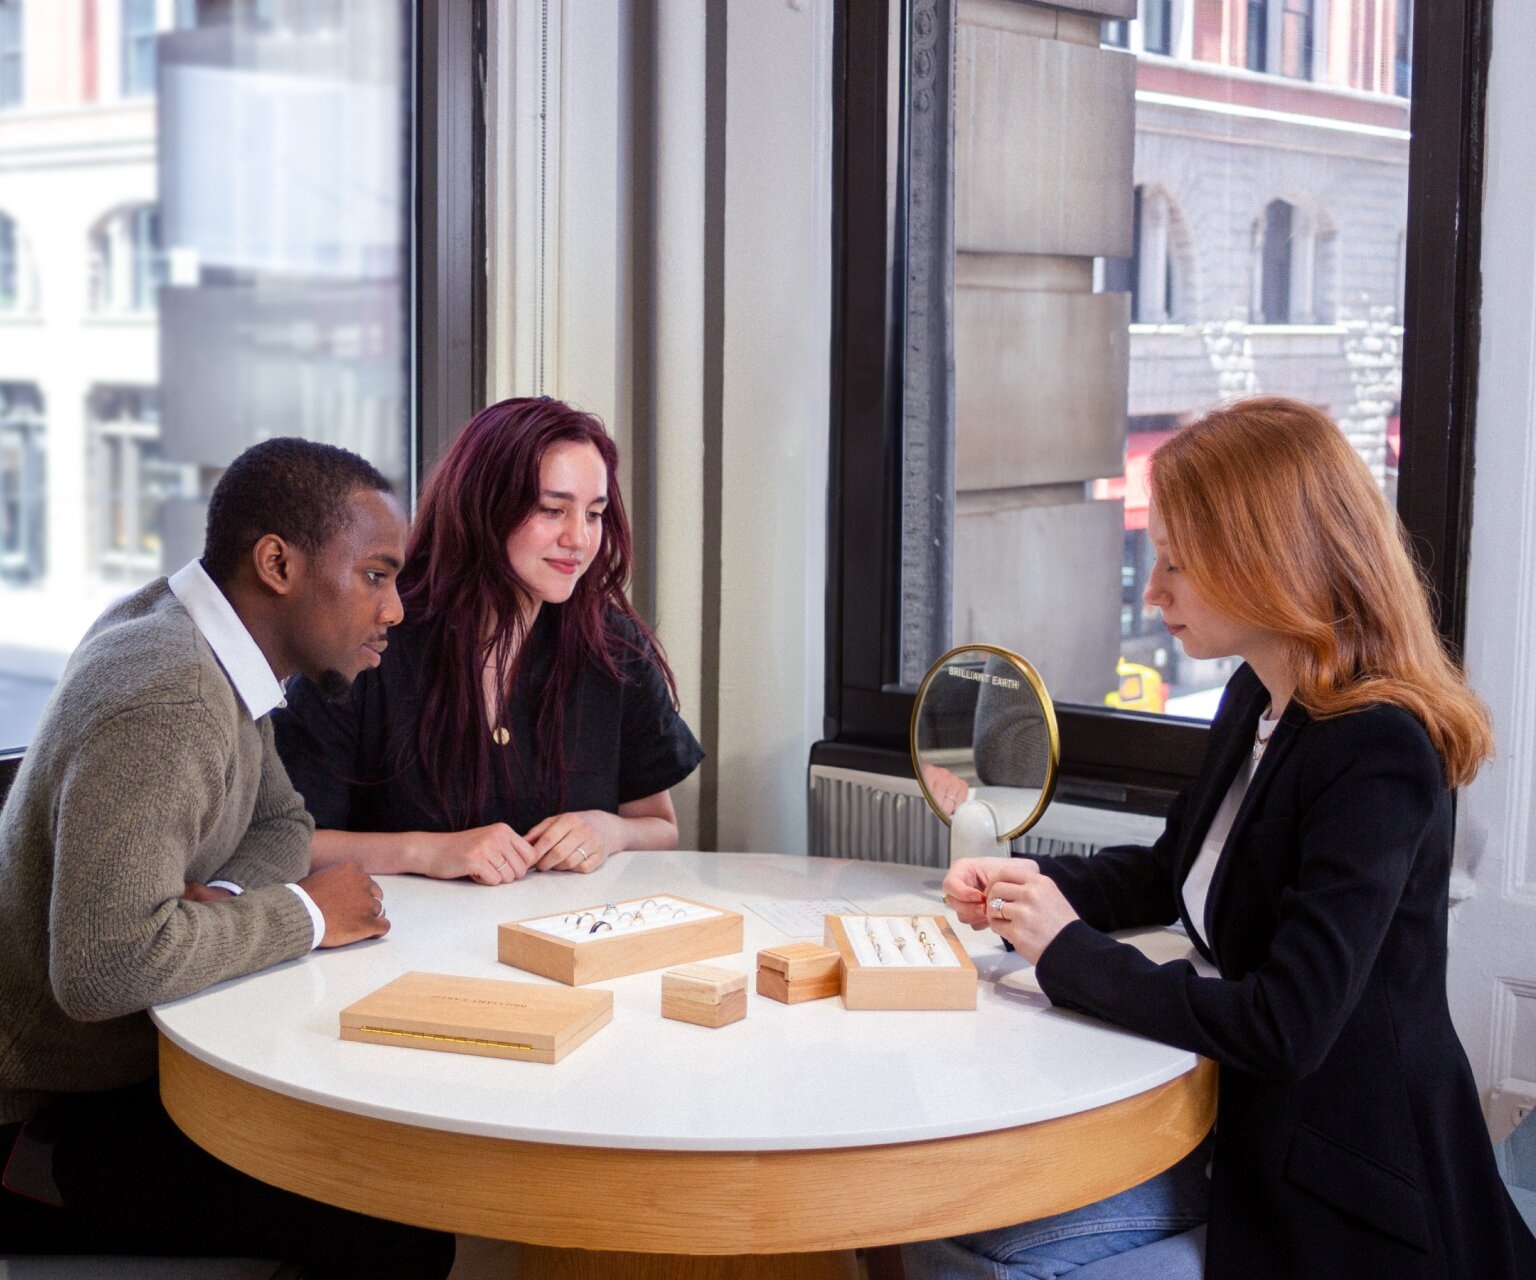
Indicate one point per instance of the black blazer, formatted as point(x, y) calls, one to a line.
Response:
point(1350, 1142)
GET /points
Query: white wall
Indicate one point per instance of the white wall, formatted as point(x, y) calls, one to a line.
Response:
point(1493, 935)
point(755, 652)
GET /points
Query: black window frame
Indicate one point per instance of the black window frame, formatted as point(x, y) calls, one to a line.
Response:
point(1118, 759)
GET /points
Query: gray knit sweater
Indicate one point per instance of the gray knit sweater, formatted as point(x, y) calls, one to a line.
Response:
point(147, 771)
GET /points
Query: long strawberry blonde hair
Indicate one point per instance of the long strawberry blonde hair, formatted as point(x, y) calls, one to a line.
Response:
point(1277, 523)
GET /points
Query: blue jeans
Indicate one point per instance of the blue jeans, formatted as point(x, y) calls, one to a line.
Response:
point(1173, 1202)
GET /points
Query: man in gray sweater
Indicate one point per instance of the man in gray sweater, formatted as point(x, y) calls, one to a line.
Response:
point(152, 845)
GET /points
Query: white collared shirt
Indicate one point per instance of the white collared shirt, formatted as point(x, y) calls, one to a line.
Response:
point(249, 673)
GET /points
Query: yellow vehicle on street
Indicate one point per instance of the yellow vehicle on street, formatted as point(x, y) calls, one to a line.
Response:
point(1140, 689)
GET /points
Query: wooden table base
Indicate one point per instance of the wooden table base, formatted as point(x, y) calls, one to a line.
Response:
point(685, 1202)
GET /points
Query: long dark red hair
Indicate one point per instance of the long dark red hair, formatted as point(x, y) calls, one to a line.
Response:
point(460, 588)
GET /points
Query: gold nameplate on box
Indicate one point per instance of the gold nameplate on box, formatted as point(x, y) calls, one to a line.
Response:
point(902, 962)
point(526, 1021)
point(613, 939)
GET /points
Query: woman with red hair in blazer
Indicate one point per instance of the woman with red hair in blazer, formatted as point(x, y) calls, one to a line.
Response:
point(1309, 862)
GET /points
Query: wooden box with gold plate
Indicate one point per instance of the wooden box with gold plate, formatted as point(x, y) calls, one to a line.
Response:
point(492, 1017)
point(613, 939)
point(799, 971)
point(902, 962)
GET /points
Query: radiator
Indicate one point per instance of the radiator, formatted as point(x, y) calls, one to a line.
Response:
point(876, 818)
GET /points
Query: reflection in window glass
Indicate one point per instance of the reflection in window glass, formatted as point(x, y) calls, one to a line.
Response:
point(1254, 244)
point(211, 256)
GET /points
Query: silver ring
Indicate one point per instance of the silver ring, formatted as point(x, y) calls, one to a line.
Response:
point(581, 853)
point(997, 906)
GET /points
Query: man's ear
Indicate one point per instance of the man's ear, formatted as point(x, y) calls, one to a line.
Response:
point(278, 563)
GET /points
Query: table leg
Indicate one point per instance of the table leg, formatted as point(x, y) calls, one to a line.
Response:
point(538, 1263)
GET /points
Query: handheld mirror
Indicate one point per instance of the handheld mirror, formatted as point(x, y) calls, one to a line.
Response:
point(985, 747)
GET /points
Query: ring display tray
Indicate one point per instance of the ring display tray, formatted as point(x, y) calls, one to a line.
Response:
point(902, 962)
point(614, 939)
point(490, 1017)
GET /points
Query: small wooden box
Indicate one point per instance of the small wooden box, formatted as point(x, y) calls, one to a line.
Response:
point(799, 971)
point(876, 986)
point(704, 994)
point(494, 1018)
point(615, 954)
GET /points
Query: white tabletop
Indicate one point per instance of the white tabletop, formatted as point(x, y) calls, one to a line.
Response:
point(788, 1077)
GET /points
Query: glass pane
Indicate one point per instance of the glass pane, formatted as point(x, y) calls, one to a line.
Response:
point(1135, 239)
point(243, 274)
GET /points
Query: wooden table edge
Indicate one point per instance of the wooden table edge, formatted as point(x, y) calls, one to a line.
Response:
point(685, 1202)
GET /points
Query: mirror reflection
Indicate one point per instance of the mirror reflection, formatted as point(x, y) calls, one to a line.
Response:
point(984, 741)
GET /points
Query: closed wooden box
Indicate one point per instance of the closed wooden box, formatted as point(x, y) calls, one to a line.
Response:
point(799, 971)
point(491, 1017)
point(672, 931)
point(704, 994)
point(879, 973)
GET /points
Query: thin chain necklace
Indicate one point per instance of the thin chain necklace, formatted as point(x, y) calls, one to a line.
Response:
point(1261, 740)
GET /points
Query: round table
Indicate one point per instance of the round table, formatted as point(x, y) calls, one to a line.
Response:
point(802, 1129)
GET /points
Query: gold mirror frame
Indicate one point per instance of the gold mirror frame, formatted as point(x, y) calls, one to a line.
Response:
point(1048, 710)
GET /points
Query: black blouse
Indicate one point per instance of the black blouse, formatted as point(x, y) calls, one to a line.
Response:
point(356, 765)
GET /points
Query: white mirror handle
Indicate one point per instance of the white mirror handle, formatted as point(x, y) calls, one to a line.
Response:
point(973, 831)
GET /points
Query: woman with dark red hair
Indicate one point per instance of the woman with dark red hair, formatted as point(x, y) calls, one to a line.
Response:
point(524, 717)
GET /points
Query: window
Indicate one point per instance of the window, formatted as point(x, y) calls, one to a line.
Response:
point(127, 264)
point(251, 264)
point(11, 80)
point(1296, 20)
point(1157, 26)
point(1086, 329)
point(1158, 289)
point(1275, 263)
point(10, 265)
point(1257, 36)
point(23, 484)
point(138, 48)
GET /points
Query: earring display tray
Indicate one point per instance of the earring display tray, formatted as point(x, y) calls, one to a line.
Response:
point(614, 939)
point(488, 1017)
point(902, 962)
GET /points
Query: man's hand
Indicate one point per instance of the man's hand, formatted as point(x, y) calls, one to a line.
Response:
point(194, 892)
point(351, 902)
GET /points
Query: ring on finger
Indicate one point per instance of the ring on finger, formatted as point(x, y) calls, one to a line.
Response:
point(997, 906)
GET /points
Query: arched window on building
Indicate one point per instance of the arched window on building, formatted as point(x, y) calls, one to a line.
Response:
point(130, 481)
point(1162, 260)
point(18, 278)
point(1275, 263)
point(127, 265)
point(23, 483)
point(1296, 266)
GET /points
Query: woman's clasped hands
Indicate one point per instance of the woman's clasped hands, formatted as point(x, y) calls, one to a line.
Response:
point(1011, 897)
point(496, 854)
